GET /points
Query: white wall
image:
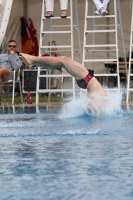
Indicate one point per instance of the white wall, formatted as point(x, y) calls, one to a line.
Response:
point(14, 25)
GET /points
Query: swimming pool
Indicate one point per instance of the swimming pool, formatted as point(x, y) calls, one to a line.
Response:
point(46, 156)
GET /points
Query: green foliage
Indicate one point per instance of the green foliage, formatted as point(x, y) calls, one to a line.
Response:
point(17, 100)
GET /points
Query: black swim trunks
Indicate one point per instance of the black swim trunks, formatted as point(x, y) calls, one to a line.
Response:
point(82, 83)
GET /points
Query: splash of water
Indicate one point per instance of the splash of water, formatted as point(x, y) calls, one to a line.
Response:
point(83, 106)
point(73, 108)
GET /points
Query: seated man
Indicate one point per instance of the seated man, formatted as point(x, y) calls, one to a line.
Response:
point(84, 77)
point(9, 61)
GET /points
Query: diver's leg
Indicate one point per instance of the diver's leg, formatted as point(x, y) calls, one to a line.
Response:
point(49, 62)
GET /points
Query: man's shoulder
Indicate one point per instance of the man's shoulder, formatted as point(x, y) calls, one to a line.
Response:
point(3, 55)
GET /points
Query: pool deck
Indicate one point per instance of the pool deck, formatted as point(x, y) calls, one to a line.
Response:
point(5, 104)
point(33, 104)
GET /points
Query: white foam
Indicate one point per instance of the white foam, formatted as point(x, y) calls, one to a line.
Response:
point(72, 109)
point(81, 106)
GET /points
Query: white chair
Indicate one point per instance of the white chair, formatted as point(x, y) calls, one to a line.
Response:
point(12, 83)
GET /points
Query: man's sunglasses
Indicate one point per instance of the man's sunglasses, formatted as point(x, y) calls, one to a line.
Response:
point(13, 46)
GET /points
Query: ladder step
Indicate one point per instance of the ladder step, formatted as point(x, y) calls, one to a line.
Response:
point(111, 89)
point(62, 50)
point(53, 32)
point(107, 25)
point(94, 50)
point(57, 90)
point(106, 16)
point(100, 45)
point(52, 18)
point(62, 46)
point(52, 75)
point(100, 60)
point(106, 74)
point(100, 31)
point(58, 26)
point(107, 89)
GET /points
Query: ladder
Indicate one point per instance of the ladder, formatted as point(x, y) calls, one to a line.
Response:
point(130, 74)
point(6, 6)
point(63, 48)
point(92, 47)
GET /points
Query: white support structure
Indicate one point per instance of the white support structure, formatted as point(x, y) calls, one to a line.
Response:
point(63, 48)
point(129, 89)
point(12, 83)
point(6, 6)
point(16, 79)
point(101, 29)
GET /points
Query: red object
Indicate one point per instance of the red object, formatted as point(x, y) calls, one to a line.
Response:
point(29, 99)
point(88, 78)
point(45, 54)
point(25, 37)
point(28, 37)
point(56, 55)
point(33, 35)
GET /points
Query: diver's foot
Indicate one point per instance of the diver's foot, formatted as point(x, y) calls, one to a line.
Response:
point(26, 59)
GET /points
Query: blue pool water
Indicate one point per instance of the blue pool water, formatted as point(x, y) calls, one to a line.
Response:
point(46, 155)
